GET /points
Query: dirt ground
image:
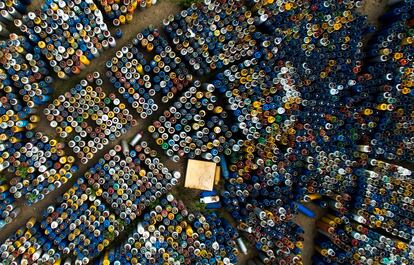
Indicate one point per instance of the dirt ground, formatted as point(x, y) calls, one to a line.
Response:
point(141, 20)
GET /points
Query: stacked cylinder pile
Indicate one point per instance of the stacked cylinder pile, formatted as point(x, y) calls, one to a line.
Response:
point(25, 77)
point(38, 165)
point(32, 164)
point(10, 10)
point(89, 117)
point(68, 33)
point(172, 234)
point(213, 34)
point(41, 167)
point(387, 86)
point(194, 126)
point(80, 225)
point(8, 208)
point(28, 245)
point(171, 73)
point(259, 187)
point(122, 11)
point(293, 105)
point(380, 225)
point(316, 114)
point(139, 80)
point(131, 179)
